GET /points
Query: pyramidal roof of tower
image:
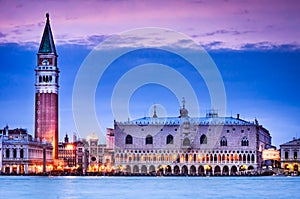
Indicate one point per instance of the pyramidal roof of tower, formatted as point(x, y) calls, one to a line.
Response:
point(47, 43)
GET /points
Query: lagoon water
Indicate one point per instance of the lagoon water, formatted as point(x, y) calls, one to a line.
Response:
point(148, 187)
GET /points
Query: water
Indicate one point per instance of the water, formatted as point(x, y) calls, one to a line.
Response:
point(148, 187)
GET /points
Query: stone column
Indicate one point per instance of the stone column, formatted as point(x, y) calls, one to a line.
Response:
point(26, 168)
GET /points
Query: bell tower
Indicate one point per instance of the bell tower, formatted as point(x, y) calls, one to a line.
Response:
point(46, 91)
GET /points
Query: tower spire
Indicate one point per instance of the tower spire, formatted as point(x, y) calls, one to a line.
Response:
point(154, 112)
point(183, 102)
point(47, 43)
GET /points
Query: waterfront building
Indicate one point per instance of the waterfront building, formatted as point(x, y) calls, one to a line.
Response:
point(21, 154)
point(290, 156)
point(71, 155)
point(46, 90)
point(184, 145)
point(99, 157)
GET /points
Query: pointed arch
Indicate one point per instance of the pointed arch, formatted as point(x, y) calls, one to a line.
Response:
point(244, 158)
point(245, 141)
point(128, 139)
point(203, 139)
point(223, 141)
point(252, 158)
point(170, 139)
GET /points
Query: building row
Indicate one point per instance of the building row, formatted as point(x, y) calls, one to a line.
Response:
point(210, 145)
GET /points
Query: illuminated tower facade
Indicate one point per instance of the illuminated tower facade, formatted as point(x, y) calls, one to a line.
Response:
point(46, 91)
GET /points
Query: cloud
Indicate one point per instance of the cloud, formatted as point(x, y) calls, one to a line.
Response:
point(96, 39)
point(261, 46)
point(223, 31)
point(213, 45)
point(2, 35)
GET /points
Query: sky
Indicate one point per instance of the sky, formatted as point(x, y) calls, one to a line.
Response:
point(255, 46)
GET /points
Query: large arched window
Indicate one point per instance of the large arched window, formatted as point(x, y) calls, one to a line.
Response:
point(203, 139)
point(149, 139)
point(170, 139)
point(186, 142)
point(223, 141)
point(128, 139)
point(245, 141)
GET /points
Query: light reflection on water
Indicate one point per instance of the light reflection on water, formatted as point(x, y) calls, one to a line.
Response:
point(148, 187)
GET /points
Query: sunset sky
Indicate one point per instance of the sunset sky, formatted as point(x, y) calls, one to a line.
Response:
point(254, 44)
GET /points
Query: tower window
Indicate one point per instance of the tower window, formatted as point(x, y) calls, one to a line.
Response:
point(40, 79)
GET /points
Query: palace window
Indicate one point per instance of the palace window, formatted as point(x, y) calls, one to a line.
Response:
point(186, 142)
point(128, 139)
point(170, 139)
point(245, 141)
point(149, 139)
point(223, 141)
point(295, 155)
point(203, 139)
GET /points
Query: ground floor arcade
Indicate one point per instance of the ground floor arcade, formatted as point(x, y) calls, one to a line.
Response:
point(184, 169)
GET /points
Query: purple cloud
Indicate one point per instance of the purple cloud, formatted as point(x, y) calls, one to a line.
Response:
point(2, 35)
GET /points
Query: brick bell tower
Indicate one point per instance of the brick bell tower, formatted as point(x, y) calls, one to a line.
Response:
point(46, 91)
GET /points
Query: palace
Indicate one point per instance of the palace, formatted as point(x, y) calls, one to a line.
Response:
point(184, 145)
